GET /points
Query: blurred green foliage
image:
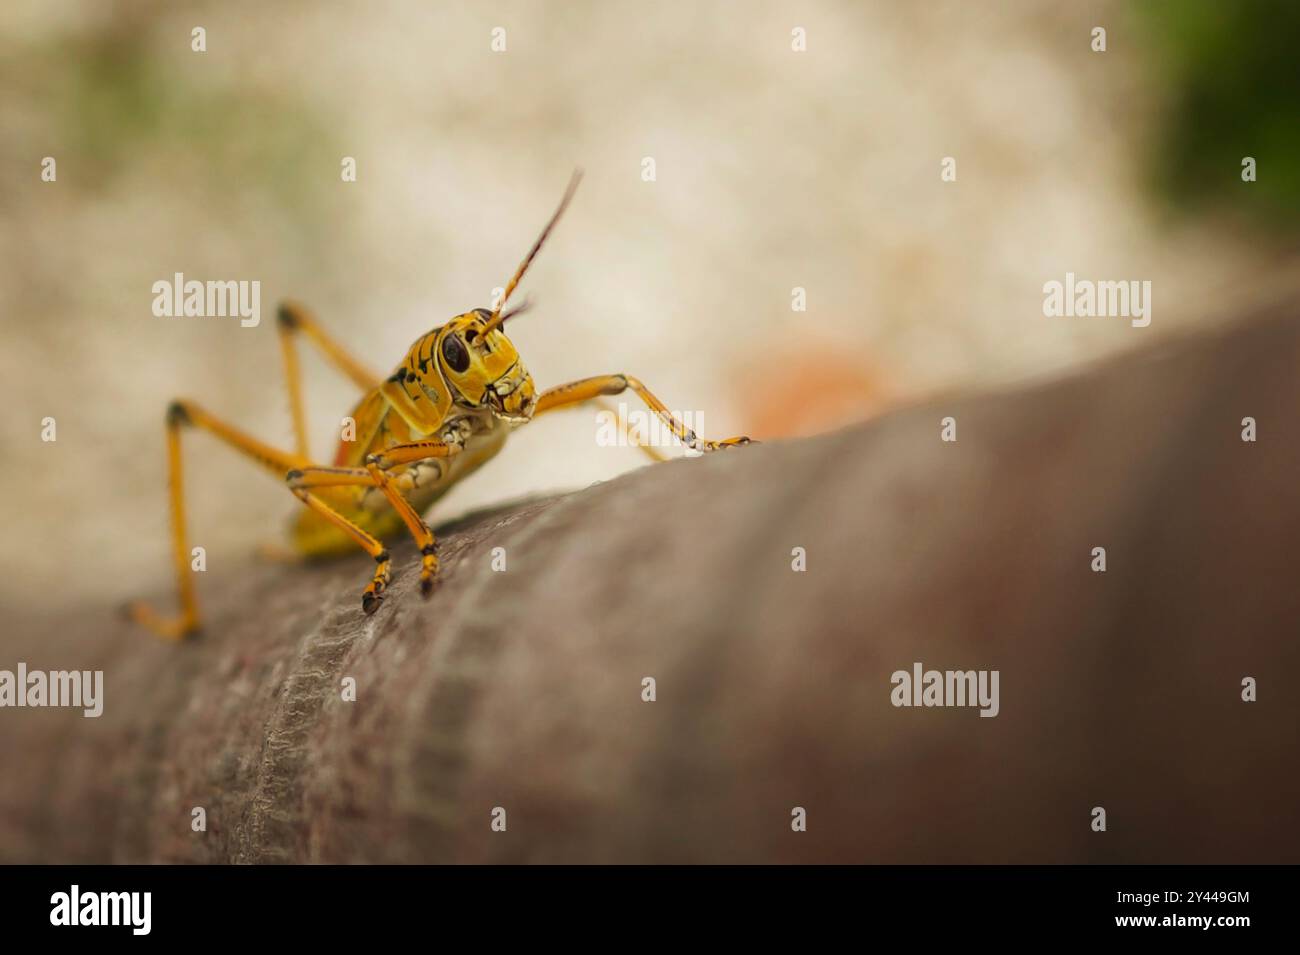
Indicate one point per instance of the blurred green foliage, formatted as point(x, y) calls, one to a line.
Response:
point(122, 101)
point(1231, 72)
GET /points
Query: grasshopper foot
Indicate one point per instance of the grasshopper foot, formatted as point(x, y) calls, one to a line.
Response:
point(174, 629)
point(428, 569)
point(736, 442)
point(374, 593)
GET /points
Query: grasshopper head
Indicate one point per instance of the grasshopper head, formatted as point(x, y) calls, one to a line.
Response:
point(482, 365)
point(477, 358)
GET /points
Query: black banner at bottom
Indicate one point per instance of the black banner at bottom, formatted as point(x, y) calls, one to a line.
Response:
point(340, 904)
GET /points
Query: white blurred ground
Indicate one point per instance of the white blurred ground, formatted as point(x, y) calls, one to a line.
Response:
point(775, 169)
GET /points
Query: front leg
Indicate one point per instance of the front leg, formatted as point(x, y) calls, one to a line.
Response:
point(375, 474)
point(379, 464)
point(576, 392)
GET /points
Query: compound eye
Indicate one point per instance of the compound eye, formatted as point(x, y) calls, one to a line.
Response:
point(455, 354)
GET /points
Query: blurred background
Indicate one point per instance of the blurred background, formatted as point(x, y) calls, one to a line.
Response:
point(775, 169)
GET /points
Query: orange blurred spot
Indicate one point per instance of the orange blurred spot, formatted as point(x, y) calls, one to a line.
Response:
point(787, 397)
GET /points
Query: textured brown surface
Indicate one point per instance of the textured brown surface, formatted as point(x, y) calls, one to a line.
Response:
point(522, 689)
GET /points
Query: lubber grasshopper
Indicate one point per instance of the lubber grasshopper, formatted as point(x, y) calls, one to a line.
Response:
point(446, 410)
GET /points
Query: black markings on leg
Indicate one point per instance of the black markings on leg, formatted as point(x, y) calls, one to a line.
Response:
point(177, 415)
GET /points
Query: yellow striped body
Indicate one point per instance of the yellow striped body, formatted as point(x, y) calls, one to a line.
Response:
point(428, 397)
point(422, 483)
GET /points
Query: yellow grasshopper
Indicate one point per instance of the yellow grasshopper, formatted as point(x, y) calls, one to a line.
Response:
point(448, 408)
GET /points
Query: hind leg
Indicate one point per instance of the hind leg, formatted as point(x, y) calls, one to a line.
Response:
point(293, 320)
point(181, 414)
